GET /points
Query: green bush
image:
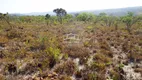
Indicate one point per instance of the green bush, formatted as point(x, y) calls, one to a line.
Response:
point(86, 16)
point(53, 55)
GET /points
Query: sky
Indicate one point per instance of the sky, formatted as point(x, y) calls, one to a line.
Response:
point(27, 6)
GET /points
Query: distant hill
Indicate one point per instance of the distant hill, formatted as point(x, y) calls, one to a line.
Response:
point(120, 11)
point(32, 13)
point(115, 12)
point(40, 13)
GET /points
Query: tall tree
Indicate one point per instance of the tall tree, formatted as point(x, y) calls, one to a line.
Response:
point(60, 13)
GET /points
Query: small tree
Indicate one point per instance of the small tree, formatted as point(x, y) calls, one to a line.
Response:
point(60, 13)
point(106, 20)
point(129, 20)
point(116, 22)
point(47, 16)
point(111, 20)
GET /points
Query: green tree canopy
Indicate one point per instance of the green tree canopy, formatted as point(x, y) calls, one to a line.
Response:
point(129, 20)
point(47, 16)
point(60, 13)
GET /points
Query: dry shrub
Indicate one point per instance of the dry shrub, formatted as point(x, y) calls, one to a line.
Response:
point(65, 77)
point(14, 33)
point(3, 39)
point(2, 77)
point(67, 67)
point(101, 58)
point(138, 70)
point(104, 45)
point(107, 52)
point(10, 68)
point(76, 51)
point(115, 75)
point(29, 68)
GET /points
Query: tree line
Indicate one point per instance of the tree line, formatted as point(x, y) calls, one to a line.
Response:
point(63, 17)
point(105, 20)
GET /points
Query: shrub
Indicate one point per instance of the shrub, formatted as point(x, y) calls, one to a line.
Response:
point(2, 77)
point(108, 53)
point(121, 65)
point(138, 70)
point(78, 74)
point(53, 54)
point(76, 51)
point(86, 44)
point(14, 34)
point(92, 76)
point(3, 40)
point(65, 77)
point(67, 67)
point(104, 45)
point(11, 68)
point(90, 28)
point(114, 75)
point(101, 58)
point(98, 66)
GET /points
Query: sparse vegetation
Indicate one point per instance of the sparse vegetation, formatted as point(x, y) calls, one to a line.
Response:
point(35, 47)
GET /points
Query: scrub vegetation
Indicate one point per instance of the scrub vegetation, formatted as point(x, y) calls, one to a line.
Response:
point(64, 46)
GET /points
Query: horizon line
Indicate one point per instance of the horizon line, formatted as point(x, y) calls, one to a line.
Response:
point(73, 11)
